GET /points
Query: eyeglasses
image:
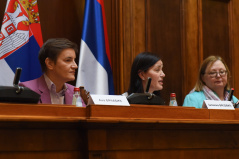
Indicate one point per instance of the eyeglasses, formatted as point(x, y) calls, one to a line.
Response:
point(222, 73)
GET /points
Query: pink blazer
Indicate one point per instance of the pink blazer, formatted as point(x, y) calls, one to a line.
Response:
point(39, 86)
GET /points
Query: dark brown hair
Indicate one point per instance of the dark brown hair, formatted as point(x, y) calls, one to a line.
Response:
point(52, 48)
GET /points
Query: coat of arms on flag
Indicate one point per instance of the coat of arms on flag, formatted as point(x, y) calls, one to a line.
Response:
point(20, 40)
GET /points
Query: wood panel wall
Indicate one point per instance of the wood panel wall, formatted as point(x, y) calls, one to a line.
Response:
point(164, 38)
point(182, 32)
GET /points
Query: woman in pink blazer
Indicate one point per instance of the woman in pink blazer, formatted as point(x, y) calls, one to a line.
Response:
point(57, 59)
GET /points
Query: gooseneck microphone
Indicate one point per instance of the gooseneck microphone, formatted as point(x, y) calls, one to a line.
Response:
point(17, 76)
point(16, 80)
point(16, 93)
point(147, 88)
point(231, 94)
point(148, 85)
point(230, 98)
point(146, 97)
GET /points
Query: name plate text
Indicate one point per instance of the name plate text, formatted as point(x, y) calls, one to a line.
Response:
point(213, 104)
point(108, 100)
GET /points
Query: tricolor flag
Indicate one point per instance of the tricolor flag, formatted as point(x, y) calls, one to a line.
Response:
point(20, 41)
point(94, 71)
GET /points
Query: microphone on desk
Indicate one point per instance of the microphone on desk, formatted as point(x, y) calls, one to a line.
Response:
point(231, 94)
point(230, 98)
point(236, 104)
point(148, 83)
point(17, 76)
point(16, 80)
point(146, 97)
point(16, 93)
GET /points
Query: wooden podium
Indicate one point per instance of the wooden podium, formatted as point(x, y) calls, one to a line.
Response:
point(117, 132)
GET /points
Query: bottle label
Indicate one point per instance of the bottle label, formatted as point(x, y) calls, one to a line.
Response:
point(77, 100)
point(173, 103)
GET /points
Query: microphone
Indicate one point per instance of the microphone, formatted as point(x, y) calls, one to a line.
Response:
point(146, 97)
point(16, 93)
point(147, 88)
point(230, 98)
point(236, 104)
point(231, 94)
point(148, 84)
point(17, 76)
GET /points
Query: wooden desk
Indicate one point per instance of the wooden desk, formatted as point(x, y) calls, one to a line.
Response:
point(113, 132)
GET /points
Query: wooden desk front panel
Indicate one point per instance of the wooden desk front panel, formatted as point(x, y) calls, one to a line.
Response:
point(163, 132)
point(166, 144)
point(33, 140)
point(41, 132)
point(111, 132)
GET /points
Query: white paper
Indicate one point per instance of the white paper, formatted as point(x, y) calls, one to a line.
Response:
point(108, 100)
point(213, 104)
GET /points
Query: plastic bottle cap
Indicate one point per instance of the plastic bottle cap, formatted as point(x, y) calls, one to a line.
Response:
point(172, 95)
point(76, 89)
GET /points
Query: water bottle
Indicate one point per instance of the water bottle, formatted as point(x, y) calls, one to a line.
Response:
point(76, 100)
point(173, 101)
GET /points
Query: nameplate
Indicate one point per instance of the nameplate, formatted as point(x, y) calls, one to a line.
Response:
point(213, 104)
point(108, 100)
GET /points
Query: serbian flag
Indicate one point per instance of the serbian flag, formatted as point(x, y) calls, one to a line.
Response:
point(94, 71)
point(20, 41)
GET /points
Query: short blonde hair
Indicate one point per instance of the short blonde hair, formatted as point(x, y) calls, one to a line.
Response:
point(208, 62)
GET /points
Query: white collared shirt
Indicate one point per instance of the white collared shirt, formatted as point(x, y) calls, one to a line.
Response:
point(56, 98)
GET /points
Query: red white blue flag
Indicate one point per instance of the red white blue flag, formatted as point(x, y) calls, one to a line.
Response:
point(94, 71)
point(20, 41)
